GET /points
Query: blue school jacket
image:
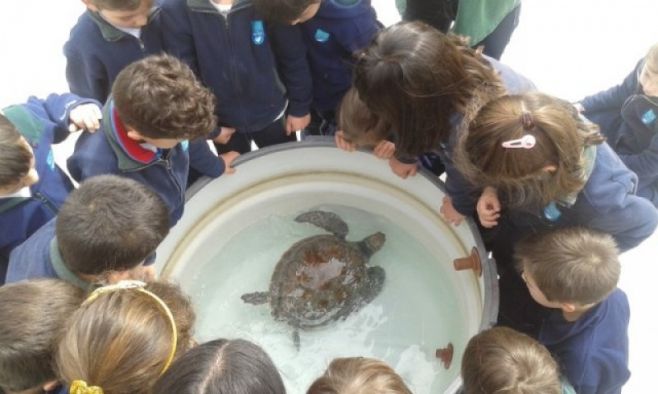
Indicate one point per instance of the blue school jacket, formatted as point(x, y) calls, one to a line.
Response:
point(96, 52)
point(42, 123)
point(39, 257)
point(592, 351)
point(629, 120)
point(110, 151)
point(339, 29)
point(255, 70)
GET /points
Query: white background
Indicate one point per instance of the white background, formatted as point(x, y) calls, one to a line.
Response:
point(569, 48)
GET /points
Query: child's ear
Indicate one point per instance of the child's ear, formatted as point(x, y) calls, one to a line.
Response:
point(50, 386)
point(550, 168)
point(568, 307)
point(134, 135)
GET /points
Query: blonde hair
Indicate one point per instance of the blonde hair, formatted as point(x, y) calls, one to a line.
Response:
point(503, 361)
point(358, 124)
point(359, 375)
point(521, 175)
point(571, 264)
point(651, 60)
point(121, 340)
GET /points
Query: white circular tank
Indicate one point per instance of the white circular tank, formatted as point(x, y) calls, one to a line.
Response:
point(235, 229)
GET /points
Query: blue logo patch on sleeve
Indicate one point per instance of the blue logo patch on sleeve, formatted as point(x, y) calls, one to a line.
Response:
point(257, 32)
point(552, 212)
point(185, 145)
point(50, 160)
point(648, 117)
point(321, 35)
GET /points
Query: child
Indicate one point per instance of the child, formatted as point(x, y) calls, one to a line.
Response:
point(32, 186)
point(106, 230)
point(358, 375)
point(427, 85)
point(333, 31)
point(110, 35)
point(257, 72)
point(222, 366)
point(575, 272)
point(157, 104)
point(550, 169)
point(501, 360)
point(627, 116)
point(33, 315)
point(125, 336)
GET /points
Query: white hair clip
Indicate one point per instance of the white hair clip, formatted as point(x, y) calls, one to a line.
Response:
point(528, 141)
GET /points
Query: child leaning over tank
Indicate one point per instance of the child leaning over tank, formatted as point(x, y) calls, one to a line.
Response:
point(356, 375)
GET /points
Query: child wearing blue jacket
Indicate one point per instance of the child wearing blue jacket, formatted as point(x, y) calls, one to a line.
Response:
point(627, 115)
point(257, 72)
point(333, 31)
point(574, 272)
point(157, 105)
point(32, 186)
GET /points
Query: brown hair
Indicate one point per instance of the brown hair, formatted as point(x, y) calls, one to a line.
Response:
point(33, 314)
point(121, 340)
point(110, 223)
point(416, 78)
point(15, 157)
point(122, 5)
point(160, 97)
point(520, 174)
point(358, 124)
point(282, 11)
point(501, 360)
point(359, 375)
point(571, 264)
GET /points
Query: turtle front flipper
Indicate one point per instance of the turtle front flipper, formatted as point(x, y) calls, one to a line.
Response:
point(326, 220)
point(256, 298)
point(373, 285)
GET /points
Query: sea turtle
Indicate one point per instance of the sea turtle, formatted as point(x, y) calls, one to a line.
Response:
point(322, 278)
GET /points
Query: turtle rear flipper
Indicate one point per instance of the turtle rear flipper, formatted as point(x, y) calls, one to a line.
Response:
point(374, 284)
point(326, 220)
point(256, 298)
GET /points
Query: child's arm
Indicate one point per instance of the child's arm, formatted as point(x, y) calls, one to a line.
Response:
point(645, 163)
point(614, 97)
point(61, 111)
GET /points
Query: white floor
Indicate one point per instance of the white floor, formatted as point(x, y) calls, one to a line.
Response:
point(570, 48)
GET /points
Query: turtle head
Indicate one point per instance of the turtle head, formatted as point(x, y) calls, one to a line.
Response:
point(372, 243)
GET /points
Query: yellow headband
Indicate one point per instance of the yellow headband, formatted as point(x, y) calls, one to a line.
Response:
point(80, 387)
point(138, 286)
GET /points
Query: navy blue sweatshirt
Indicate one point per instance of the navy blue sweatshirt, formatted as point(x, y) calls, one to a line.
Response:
point(340, 28)
point(253, 69)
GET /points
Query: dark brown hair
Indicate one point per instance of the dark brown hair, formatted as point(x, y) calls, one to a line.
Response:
point(33, 315)
point(15, 157)
point(501, 360)
point(160, 97)
point(359, 375)
point(358, 124)
point(282, 11)
point(110, 223)
point(417, 78)
point(571, 264)
point(521, 175)
point(121, 340)
point(222, 367)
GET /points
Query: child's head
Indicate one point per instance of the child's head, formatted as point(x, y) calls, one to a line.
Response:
point(122, 13)
point(125, 336)
point(161, 102)
point(649, 73)
point(222, 367)
point(416, 78)
point(33, 314)
point(109, 225)
point(570, 268)
point(551, 168)
point(358, 124)
point(357, 375)
point(501, 360)
point(287, 11)
point(16, 160)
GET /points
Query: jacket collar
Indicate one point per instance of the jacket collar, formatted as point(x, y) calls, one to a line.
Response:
point(111, 33)
point(62, 271)
point(205, 6)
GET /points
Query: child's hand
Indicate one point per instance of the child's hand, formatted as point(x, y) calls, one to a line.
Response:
point(294, 123)
point(228, 158)
point(224, 135)
point(403, 170)
point(85, 117)
point(450, 213)
point(488, 207)
point(384, 149)
point(579, 107)
point(342, 143)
